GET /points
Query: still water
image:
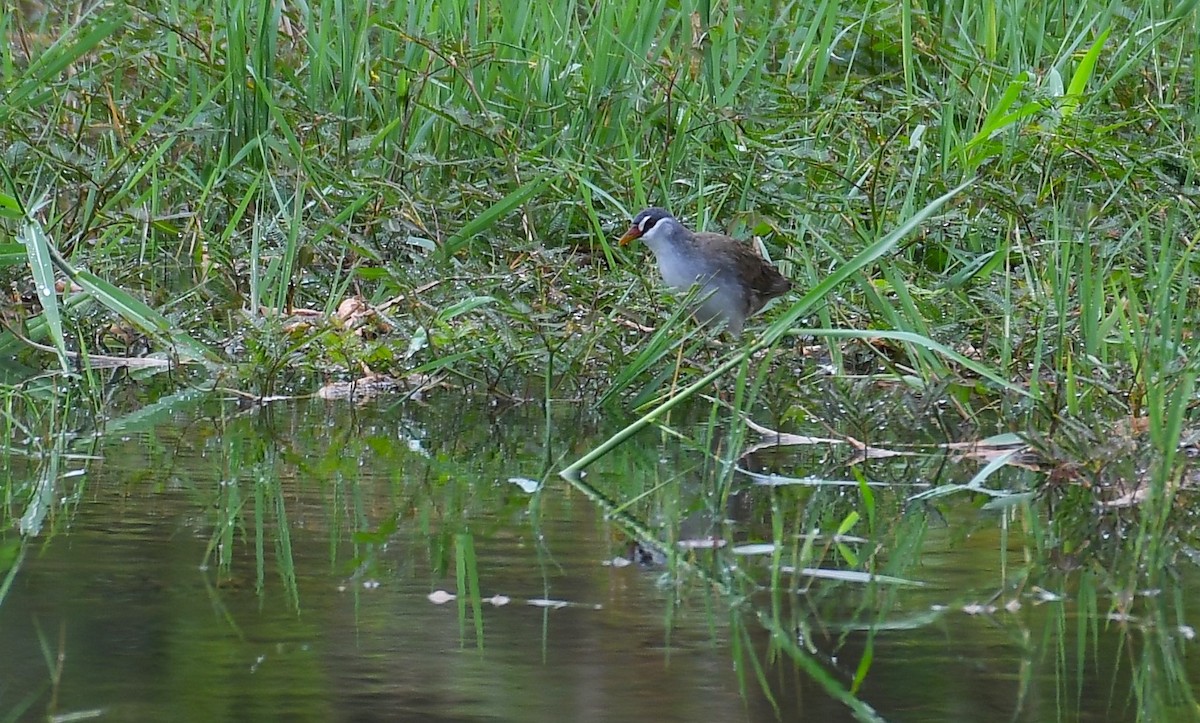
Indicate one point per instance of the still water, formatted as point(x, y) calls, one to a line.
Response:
point(210, 562)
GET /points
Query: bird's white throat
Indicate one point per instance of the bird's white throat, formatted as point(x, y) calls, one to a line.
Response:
point(659, 233)
point(677, 263)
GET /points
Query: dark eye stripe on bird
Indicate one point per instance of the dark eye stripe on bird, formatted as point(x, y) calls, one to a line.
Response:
point(736, 281)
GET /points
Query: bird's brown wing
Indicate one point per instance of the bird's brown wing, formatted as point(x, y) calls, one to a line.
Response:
point(762, 280)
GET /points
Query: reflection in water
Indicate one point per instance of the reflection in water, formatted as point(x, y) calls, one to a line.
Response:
point(278, 564)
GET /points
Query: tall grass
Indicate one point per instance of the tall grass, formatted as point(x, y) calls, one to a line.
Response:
point(993, 199)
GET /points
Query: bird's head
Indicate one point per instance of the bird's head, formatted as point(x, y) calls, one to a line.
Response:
point(650, 225)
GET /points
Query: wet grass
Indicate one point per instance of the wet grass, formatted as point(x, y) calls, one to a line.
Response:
point(989, 207)
point(424, 154)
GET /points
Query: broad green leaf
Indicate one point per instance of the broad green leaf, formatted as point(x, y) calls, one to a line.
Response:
point(1079, 81)
point(41, 266)
point(10, 207)
point(463, 307)
point(12, 254)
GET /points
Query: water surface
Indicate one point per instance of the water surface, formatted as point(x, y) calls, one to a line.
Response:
point(219, 562)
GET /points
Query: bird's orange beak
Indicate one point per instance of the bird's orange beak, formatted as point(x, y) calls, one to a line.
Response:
point(631, 234)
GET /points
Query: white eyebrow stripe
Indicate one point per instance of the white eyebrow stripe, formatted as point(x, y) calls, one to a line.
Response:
point(642, 225)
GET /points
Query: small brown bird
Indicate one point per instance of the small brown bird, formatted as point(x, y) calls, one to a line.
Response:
point(736, 281)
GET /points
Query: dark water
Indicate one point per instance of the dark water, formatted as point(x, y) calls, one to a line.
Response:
point(222, 564)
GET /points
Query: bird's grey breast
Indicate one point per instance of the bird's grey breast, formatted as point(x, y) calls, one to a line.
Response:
point(679, 267)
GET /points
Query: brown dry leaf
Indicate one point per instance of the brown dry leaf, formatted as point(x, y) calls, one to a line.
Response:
point(356, 314)
point(267, 311)
point(297, 326)
point(1131, 498)
point(968, 350)
point(120, 333)
point(986, 450)
point(867, 453)
point(1135, 426)
point(350, 308)
point(634, 325)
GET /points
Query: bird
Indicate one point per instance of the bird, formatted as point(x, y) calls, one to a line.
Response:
point(735, 281)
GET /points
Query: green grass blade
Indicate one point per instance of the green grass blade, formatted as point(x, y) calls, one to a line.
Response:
point(145, 318)
point(41, 266)
point(12, 255)
point(495, 212)
point(1083, 74)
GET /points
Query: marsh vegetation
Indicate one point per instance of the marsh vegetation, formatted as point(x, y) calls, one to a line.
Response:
point(988, 212)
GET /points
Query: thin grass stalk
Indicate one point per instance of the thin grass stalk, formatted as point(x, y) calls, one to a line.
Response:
point(829, 15)
point(467, 577)
point(261, 499)
point(269, 479)
point(289, 268)
point(239, 101)
point(906, 49)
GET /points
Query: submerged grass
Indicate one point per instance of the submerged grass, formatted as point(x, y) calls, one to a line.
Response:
point(991, 204)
